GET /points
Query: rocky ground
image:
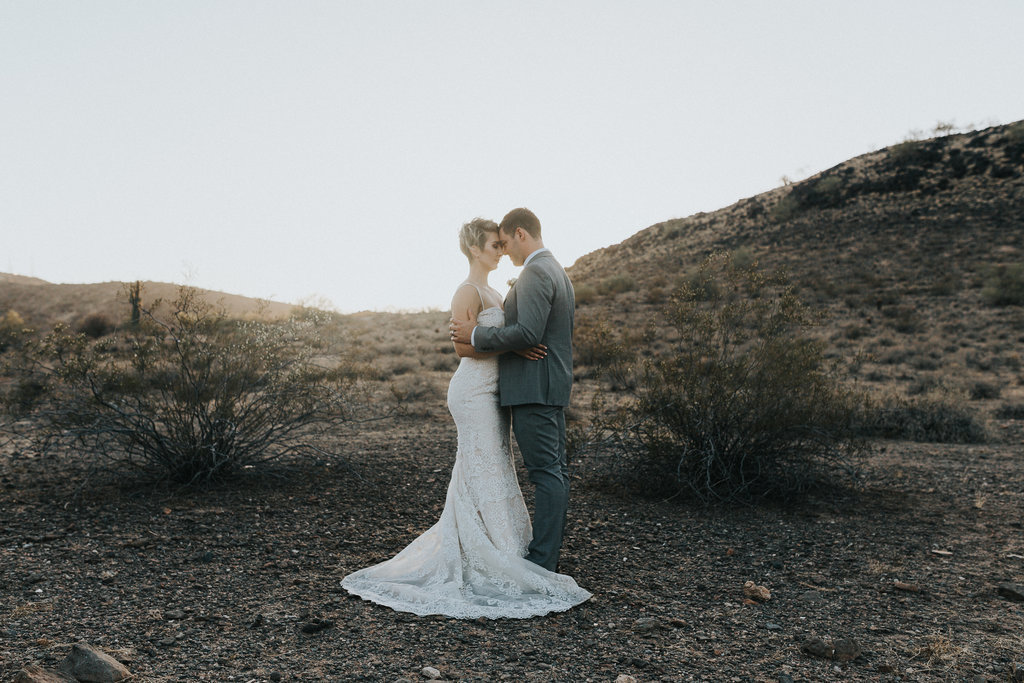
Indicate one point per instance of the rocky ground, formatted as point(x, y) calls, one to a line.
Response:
point(241, 582)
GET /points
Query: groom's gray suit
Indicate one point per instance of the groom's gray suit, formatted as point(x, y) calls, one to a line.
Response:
point(539, 309)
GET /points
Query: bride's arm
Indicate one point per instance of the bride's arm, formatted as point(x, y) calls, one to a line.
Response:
point(465, 307)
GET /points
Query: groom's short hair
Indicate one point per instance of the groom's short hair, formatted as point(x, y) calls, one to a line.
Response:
point(521, 218)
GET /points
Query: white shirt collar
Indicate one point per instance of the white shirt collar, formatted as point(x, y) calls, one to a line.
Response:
point(532, 254)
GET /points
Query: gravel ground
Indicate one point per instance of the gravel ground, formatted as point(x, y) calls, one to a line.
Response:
point(241, 582)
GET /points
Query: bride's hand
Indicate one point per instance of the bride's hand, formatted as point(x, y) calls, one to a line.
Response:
point(534, 352)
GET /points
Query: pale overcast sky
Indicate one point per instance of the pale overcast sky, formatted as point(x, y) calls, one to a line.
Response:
point(298, 149)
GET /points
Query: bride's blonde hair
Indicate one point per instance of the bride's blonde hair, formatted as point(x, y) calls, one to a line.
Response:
point(474, 234)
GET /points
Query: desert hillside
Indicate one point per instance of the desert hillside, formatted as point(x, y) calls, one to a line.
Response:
point(902, 247)
point(41, 304)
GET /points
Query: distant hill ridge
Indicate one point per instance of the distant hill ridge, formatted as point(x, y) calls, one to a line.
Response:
point(948, 202)
point(42, 304)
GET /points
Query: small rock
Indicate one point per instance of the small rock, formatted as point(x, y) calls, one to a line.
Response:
point(772, 627)
point(816, 647)
point(316, 625)
point(275, 676)
point(430, 673)
point(785, 678)
point(1012, 591)
point(776, 563)
point(843, 649)
point(846, 650)
point(885, 669)
point(810, 596)
point(89, 665)
point(174, 615)
point(1017, 673)
point(166, 642)
point(755, 592)
point(646, 625)
point(37, 674)
point(34, 577)
point(908, 587)
point(625, 678)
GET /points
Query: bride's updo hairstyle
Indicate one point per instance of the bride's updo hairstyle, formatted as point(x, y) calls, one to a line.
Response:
point(474, 234)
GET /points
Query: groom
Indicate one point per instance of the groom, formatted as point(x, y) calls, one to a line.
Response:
point(539, 310)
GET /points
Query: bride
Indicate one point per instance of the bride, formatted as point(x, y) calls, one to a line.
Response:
point(471, 563)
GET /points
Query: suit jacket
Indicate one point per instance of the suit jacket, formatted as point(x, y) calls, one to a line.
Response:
point(539, 309)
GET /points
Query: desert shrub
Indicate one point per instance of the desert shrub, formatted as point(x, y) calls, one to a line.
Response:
point(785, 209)
point(744, 258)
point(936, 417)
point(95, 325)
point(188, 395)
point(1004, 286)
point(916, 153)
point(856, 331)
point(743, 407)
point(902, 318)
point(616, 284)
point(947, 284)
point(12, 329)
point(925, 384)
point(654, 295)
point(598, 345)
point(1010, 411)
point(927, 363)
point(585, 293)
point(982, 390)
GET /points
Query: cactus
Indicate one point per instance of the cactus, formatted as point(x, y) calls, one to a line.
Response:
point(135, 299)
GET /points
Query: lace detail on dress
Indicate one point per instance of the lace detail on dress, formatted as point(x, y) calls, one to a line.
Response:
point(471, 563)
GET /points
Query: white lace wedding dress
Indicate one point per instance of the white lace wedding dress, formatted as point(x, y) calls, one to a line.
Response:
point(471, 563)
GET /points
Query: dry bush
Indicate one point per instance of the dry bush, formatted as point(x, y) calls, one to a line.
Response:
point(744, 406)
point(1010, 411)
point(616, 284)
point(599, 346)
point(936, 417)
point(1004, 286)
point(982, 390)
point(95, 325)
point(190, 394)
point(585, 292)
point(12, 330)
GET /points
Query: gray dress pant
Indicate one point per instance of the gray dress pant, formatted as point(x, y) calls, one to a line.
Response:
point(540, 433)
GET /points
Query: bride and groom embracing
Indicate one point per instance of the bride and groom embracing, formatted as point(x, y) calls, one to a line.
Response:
point(481, 558)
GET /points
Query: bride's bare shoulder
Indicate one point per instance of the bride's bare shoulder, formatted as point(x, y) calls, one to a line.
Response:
point(466, 302)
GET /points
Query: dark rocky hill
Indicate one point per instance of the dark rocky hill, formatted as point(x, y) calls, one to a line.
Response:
point(899, 246)
point(919, 212)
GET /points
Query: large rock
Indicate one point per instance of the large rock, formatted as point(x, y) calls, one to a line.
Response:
point(1012, 591)
point(37, 674)
point(89, 665)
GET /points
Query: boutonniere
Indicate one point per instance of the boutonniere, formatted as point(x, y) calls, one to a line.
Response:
point(512, 282)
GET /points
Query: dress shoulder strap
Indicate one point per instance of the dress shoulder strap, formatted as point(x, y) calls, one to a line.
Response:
point(483, 304)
